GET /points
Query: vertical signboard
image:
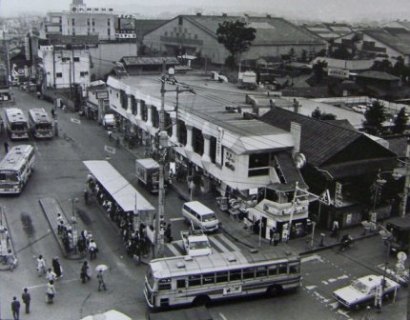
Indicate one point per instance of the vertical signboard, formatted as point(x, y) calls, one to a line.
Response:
point(218, 155)
point(338, 194)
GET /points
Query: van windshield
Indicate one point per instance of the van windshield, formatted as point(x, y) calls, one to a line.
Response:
point(208, 217)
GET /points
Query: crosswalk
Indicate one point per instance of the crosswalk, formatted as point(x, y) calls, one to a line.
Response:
point(219, 243)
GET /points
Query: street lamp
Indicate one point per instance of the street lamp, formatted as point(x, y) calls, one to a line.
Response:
point(387, 237)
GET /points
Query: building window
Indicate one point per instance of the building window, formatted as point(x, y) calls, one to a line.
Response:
point(73, 21)
point(83, 73)
point(109, 31)
point(59, 74)
point(180, 21)
point(108, 22)
point(258, 164)
point(93, 22)
point(166, 33)
point(76, 59)
point(65, 59)
point(73, 32)
point(88, 21)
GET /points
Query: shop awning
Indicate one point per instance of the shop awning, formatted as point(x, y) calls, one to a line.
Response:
point(124, 194)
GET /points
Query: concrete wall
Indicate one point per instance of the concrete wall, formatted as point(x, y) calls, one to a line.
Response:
point(104, 56)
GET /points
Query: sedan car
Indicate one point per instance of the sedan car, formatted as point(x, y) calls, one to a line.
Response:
point(363, 291)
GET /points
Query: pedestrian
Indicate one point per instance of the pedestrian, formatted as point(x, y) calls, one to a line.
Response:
point(26, 297)
point(276, 238)
point(101, 283)
point(6, 147)
point(57, 268)
point(53, 113)
point(335, 229)
point(15, 308)
point(271, 233)
point(50, 275)
point(168, 233)
point(85, 272)
point(60, 223)
point(41, 266)
point(92, 249)
point(86, 196)
point(50, 292)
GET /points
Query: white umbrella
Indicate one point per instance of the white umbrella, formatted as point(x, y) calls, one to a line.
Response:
point(101, 267)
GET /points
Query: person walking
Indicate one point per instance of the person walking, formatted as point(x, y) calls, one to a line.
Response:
point(26, 297)
point(85, 272)
point(15, 308)
point(41, 266)
point(57, 268)
point(92, 249)
point(101, 283)
point(6, 147)
point(50, 292)
point(50, 275)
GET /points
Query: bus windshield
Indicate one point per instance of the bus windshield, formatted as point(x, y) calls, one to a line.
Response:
point(43, 126)
point(18, 126)
point(9, 176)
point(208, 217)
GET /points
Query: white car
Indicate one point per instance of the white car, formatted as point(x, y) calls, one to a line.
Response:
point(360, 108)
point(363, 291)
point(108, 121)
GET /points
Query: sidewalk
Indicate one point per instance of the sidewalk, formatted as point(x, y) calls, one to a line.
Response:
point(7, 254)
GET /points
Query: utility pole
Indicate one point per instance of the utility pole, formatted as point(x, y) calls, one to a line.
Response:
point(406, 180)
point(163, 140)
point(6, 55)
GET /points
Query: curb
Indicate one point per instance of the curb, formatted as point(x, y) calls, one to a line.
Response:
point(7, 268)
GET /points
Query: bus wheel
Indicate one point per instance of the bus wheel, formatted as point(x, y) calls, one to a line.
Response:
point(274, 291)
point(201, 301)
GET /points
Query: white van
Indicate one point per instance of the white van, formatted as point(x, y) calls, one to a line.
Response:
point(200, 216)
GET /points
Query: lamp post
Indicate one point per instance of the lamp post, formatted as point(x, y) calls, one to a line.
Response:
point(387, 237)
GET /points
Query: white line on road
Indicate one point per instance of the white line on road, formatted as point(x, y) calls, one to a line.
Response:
point(173, 249)
point(230, 243)
point(222, 316)
point(311, 258)
point(216, 243)
point(177, 219)
point(310, 287)
point(44, 285)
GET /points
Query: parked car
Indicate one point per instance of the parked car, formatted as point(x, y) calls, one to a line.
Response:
point(363, 291)
point(360, 108)
point(108, 121)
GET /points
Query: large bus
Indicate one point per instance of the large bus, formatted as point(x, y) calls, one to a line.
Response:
point(183, 280)
point(41, 126)
point(15, 169)
point(16, 124)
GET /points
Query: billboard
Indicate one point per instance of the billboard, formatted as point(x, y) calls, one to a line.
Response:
point(126, 24)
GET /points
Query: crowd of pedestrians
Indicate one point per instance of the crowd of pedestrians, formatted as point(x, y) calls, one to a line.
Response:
point(135, 239)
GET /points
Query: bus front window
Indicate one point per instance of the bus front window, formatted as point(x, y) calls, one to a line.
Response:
point(9, 176)
point(18, 127)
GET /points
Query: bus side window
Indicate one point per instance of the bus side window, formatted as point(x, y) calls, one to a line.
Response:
point(235, 275)
point(294, 268)
point(283, 268)
point(208, 278)
point(164, 284)
point(273, 270)
point(248, 273)
point(261, 271)
point(181, 284)
point(222, 276)
point(194, 280)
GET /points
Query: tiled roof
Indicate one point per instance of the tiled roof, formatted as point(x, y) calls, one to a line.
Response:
point(399, 41)
point(269, 31)
point(380, 75)
point(320, 140)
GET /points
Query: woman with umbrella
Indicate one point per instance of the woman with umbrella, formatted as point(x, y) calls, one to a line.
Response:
point(100, 270)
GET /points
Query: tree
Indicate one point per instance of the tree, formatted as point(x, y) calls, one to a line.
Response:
point(341, 53)
point(236, 37)
point(319, 70)
point(383, 65)
point(400, 122)
point(317, 114)
point(375, 115)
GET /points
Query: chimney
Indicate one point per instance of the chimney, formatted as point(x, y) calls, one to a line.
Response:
point(268, 16)
point(224, 14)
point(296, 106)
point(199, 14)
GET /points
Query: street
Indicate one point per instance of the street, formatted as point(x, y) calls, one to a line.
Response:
point(60, 173)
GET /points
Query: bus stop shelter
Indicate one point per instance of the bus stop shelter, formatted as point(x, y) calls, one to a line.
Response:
point(123, 193)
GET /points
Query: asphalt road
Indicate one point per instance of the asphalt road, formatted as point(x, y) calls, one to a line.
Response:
point(60, 173)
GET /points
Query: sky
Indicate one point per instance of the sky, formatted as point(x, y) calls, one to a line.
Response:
point(326, 10)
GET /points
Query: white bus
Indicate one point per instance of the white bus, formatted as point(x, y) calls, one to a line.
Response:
point(15, 169)
point(40, 123)
point(16, 124)
point(184, 280)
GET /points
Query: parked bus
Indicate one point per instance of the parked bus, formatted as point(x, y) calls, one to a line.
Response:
point(15, 169)
point(40, 123)
point(183, 279)
point(16, 124)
